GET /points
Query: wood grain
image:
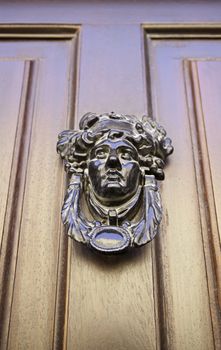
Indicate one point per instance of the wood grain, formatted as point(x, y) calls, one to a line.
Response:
point(10, 98)
point(111, 71)
point(16, 186)
point(29, 260)
point(205, 183)
point(209, 81)
point(181, 271)
point(111, 298)
point(64, 255)
point(57, 294)
point(96, 12)
point(37, 263)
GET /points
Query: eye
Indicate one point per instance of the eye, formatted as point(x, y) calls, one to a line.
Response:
point(127, 155)
point(101, 153)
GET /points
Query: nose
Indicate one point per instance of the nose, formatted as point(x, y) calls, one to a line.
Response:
point(113, 162)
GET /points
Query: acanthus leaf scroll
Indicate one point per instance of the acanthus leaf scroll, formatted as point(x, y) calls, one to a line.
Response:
point(114, 162)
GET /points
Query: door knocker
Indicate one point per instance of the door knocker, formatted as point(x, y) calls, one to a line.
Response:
point(114, 161)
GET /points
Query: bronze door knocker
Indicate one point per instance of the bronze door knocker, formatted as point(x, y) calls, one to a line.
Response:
point(114, 162)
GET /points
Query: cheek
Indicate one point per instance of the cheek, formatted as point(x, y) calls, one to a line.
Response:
point(135, 173)
point(95, 166)
point(134, 177)
point(95, 171)
point(132, 170)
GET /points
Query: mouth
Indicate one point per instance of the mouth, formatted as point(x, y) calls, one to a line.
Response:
point(113, 176)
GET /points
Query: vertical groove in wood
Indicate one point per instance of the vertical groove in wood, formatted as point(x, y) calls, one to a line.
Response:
point(157, 282)
point(163, 322)
point(15, 197)
point(164, 314)
point(63, 271)
point(61, 302)
point(208, 217)
point(147, 64)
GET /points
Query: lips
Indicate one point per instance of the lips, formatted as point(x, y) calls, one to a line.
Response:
point(113, 175)
point(113, 178)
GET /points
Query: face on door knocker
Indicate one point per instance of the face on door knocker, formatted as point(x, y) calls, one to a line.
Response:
point(114, 162)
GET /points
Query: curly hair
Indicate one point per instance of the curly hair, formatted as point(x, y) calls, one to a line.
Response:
point(147, 136)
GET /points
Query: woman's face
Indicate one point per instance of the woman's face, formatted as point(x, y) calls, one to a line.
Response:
point(114, 171)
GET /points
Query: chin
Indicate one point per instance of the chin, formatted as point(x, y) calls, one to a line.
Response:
point(114, 193)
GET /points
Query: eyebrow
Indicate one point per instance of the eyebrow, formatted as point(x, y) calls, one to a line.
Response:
point(125, 147)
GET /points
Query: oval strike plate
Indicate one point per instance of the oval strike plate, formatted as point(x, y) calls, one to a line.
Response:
point(114, 162)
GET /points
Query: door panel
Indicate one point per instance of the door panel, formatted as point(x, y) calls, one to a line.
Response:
point(32, 228)
point(188, 297)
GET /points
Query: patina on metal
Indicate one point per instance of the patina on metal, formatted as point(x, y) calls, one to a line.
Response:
point(114, 162)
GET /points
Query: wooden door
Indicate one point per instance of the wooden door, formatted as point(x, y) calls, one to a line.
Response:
point(56, 293)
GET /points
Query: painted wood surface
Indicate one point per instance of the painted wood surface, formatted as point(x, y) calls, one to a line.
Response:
point(55, 293)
